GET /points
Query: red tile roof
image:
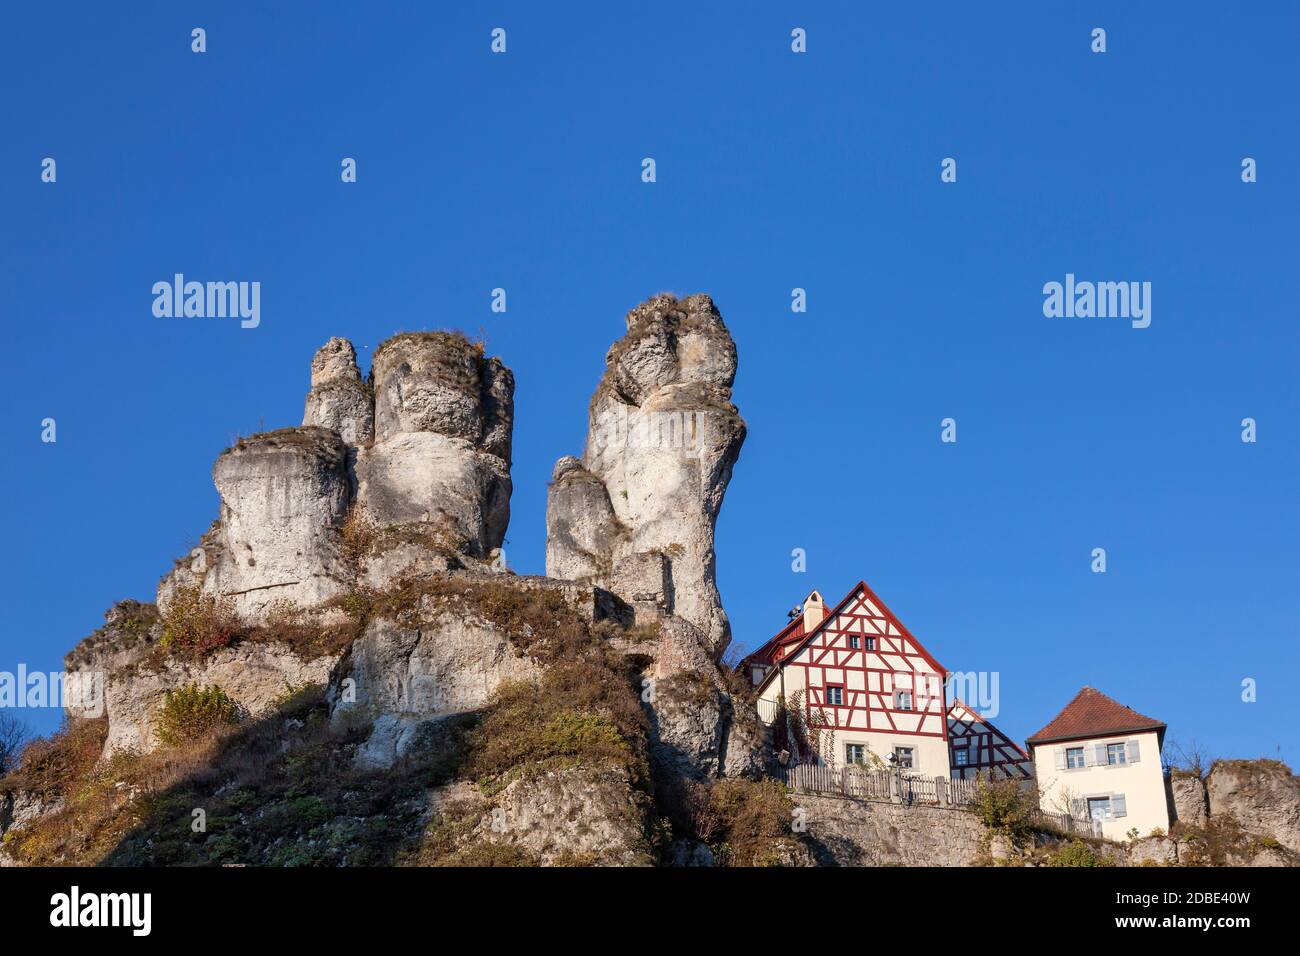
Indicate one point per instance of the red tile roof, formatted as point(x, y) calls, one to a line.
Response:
point(1093, 714)
point(766, 655)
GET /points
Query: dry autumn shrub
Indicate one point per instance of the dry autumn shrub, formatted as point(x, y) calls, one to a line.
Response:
point(197, 624)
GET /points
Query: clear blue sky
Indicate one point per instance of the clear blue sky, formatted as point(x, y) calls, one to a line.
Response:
point(775, 170)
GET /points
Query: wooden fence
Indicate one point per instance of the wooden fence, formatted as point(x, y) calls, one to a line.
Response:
point(865, 784)
point(1069, 824)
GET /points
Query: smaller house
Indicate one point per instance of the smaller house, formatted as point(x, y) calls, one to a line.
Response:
point(977, 748)
point(1101, 760)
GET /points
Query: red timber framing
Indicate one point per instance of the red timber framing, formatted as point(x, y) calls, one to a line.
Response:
point(873, 677)
point(987, 749)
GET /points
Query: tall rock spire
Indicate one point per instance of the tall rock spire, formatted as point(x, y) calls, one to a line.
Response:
point(636, 514)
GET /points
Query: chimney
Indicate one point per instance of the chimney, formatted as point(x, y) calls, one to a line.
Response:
point(814, 609)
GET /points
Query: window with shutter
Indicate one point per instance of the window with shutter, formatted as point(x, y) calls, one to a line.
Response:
point(1132, 751)
point(1117, 806)
point(1074, 759)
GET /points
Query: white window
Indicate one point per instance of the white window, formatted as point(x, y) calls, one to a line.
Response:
point(855, 753)
point(906, 757)
point(961, 757)
point(854, 642)
point(1073, 758)
point(903, 700)
point(1111, 806)
point(834, 695)
point(1116, 753)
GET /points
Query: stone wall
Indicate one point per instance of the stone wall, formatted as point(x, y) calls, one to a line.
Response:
point(847, 832)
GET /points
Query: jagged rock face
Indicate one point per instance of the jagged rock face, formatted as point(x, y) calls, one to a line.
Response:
point(662, 439)
point(339, 400)
point(427, 450)
point(587, 814)
point(1188, 792)
point(406, 676)
point(256, 676)
point(130, 628)
point(1262, 795)
point(443, 422)
point(697, 729)
point(284, 496)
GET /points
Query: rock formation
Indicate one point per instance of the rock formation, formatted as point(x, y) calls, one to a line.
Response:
point(339, 400)
point(636, 514)
point(408, 474)
point(423, 452)
point(284, 495)
point(1263, 796)
point(441, 457)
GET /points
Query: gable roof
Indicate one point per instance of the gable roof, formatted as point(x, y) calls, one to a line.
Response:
point(798, 641)
point(959, 711)
point(1093, 714)
point(790, 634)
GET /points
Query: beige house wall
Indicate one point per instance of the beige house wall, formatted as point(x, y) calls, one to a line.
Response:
point(1140, 783)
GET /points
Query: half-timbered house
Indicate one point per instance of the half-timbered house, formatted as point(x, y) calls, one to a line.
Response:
point(851, 684)
point(978, 749)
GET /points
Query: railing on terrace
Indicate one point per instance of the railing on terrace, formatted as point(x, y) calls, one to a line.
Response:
point(1069, 824)
point(907, 789)
point(867, 784)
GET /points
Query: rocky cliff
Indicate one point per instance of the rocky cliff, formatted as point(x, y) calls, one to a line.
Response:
point(343, 671)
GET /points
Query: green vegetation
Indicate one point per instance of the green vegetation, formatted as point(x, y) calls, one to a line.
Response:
point(190, 713)
point(1004, 806)
point(745, 822)
point(1077, 853)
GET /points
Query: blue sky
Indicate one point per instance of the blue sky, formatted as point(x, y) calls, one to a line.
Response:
point(775, 171)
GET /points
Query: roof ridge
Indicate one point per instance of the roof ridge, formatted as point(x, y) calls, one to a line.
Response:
point(1092, 713)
